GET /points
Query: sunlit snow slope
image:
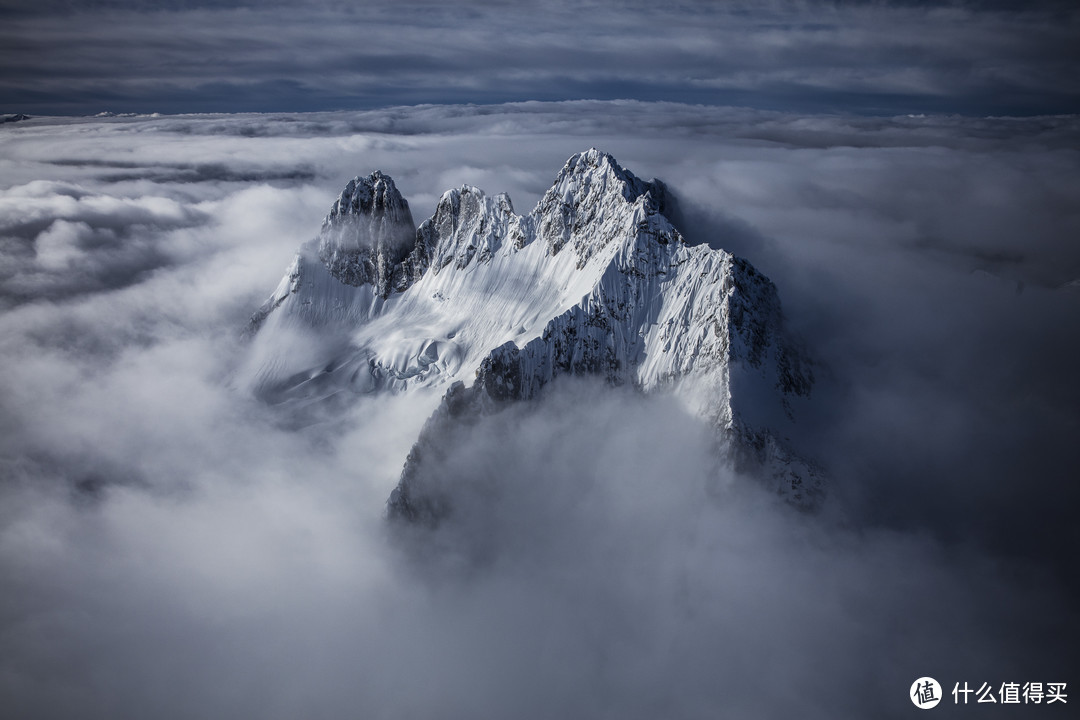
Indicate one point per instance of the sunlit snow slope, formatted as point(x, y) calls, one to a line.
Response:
point(595, 280)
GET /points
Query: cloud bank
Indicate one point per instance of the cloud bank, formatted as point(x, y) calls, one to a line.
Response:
point(171, 547)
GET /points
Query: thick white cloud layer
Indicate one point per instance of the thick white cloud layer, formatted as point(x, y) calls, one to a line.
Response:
point(169, 547)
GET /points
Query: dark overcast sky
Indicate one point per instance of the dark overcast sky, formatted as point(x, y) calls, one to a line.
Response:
point(973, 58)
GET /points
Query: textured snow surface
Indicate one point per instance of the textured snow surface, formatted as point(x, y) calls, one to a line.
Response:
point(595, 280)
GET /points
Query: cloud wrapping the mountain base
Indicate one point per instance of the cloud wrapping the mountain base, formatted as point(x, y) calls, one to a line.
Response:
point(171, 547)
point(597, 563)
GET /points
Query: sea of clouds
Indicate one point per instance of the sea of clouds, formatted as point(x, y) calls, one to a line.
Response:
point(170, 547)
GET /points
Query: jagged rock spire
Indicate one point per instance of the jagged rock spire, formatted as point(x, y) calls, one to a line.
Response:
point(369, 234)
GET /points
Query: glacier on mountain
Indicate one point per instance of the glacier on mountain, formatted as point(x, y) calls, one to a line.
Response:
point(490, 306)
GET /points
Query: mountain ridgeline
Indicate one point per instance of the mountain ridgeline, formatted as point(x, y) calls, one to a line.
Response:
point(490, 307)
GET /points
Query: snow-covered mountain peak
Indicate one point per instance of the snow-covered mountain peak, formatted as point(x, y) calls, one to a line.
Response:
point(595, 200)
point(595, 163)
point(468, 224)
point(592, 174)
point(596, 279)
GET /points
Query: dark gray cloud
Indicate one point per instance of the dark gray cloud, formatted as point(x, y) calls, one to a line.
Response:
point(123, 171)
point(170, 547)
point(874, 58)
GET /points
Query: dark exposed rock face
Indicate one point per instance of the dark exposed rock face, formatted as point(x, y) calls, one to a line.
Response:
point(369, 237)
